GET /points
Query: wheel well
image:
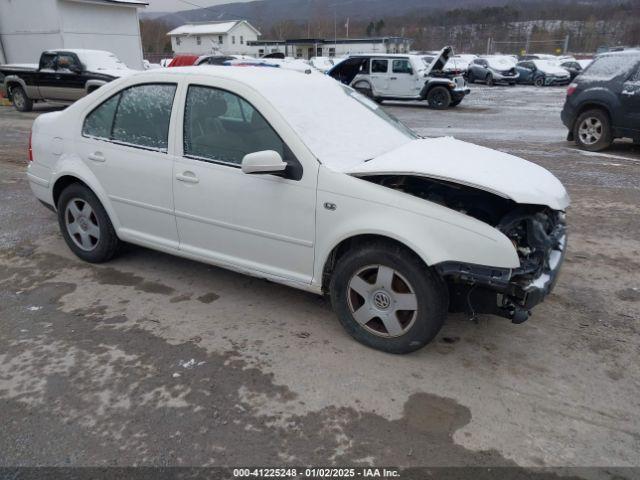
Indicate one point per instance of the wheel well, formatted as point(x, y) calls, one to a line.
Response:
point(352, 243)
point(10, 87)
point(591, 106)
point(61, 184)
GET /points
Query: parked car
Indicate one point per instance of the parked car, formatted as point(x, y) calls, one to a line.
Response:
point(183, 61)
point(323, 64)
point(573, 67)
point(403, 77)
point(458, 65)
point(492, 70)
point(219, 59)
point(62, 76)
point(395, 228)
point(603, 103)
point(542, 73)
point(544, 56)
point(288, 63)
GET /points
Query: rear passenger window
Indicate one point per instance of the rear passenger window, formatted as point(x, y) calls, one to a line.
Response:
point(138, 116)
point(223, 127)
point(401, 66)
point(143, 116)
point(379, 66)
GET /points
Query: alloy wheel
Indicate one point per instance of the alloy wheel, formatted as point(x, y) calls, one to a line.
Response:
point(82, 224)
point(382, 301)
point(590, 131)
point(18, 99)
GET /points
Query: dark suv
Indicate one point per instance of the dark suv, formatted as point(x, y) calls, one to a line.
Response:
point(603, 103)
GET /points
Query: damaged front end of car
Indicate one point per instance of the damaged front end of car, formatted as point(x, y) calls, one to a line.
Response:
point(537, 232)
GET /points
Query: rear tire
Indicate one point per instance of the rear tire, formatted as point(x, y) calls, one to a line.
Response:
point(21, 101)
point(404, 303)
point(439, 98)
point(85, 225)
point(592, 131)
point(470, 77)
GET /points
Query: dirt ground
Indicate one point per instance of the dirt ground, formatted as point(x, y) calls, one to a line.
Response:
point(156, 360)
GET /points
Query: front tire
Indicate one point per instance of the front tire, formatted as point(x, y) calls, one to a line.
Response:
point(21, 101)
point(489, 80)
point(439, 98)
point(539, 82)
point(592, 131)
point(387, 299)
point(85, 225)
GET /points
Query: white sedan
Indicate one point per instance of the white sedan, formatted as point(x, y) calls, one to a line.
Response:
point(300, 180)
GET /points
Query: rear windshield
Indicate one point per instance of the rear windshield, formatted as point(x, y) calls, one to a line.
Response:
point(610, 66)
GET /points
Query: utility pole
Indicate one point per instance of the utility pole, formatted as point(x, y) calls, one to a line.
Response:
point(566, 44)
point(489, 46)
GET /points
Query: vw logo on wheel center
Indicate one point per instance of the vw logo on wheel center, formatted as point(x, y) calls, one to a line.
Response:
point(381, 300)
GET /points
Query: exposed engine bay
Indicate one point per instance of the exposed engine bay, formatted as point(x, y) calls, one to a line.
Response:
point(537, 232)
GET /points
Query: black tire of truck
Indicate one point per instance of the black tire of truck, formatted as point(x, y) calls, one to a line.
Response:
point(21, 101)
point(439, 98)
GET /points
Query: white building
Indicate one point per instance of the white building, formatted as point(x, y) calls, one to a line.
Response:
point(320, 47)
point(28, 27)
point(227, 38)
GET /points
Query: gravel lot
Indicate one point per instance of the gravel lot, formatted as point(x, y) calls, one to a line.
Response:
point(156, 360)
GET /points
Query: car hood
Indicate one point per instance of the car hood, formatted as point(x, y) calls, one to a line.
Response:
point(551, 70)
point(472, 165)
point(440, 60)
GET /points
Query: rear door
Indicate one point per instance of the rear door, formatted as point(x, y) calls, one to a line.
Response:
point(125, 143)
point(379, 75)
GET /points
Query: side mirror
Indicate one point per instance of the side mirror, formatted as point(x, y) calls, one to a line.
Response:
point(75, 68)
point(263, 163)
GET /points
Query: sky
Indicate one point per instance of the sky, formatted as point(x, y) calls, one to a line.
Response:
point(173, 5)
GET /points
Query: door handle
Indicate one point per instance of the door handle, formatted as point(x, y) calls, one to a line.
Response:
point(96, 157)
point(629, 93)
point(393, 78)
point(187, 177)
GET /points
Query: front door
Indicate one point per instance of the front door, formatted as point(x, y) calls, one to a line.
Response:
point(402, 81)
point(61, 80)
point(630, 101)
point(125, 144)
point(257, 223)
point(380, 76)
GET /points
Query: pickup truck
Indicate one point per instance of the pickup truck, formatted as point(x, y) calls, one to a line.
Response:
point(403, 77)
point(62, 76)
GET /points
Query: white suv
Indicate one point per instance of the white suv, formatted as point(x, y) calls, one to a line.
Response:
point(403, 77)
point(222, 165)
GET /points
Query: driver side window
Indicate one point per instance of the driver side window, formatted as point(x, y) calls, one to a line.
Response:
point(222, 127)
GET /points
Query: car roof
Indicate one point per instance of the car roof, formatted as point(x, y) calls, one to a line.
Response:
point(385, 55)
point(252, 76)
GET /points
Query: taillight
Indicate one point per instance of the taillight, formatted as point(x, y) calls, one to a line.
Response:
point(571, 89)
point(30, 147)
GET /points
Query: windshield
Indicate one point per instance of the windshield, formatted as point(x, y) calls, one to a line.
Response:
point(96, 60)
point(339, 126)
